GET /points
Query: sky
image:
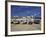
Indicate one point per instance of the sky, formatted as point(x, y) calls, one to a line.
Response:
point(25, 10)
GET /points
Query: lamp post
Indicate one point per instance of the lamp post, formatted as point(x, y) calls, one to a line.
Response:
point(32, 19)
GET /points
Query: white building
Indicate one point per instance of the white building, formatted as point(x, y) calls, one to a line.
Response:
point(23, 19)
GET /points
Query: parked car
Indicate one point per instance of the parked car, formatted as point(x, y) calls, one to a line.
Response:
point(15, 22)
point(37, 21)
point(30, 22)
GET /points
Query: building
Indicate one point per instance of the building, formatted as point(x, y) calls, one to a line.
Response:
point(25, 19)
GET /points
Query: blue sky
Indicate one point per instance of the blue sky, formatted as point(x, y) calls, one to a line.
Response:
point(25, 10)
